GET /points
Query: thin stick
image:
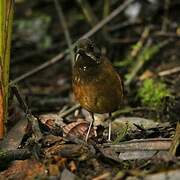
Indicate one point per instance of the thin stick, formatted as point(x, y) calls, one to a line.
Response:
point(31, 118)
point(91, 18)
point(65, 29)
point(140, 43)
point(88, 12)
point(108, 19)
point(69, 111)
point(39, 68)
point(165, 17)
point(169, 71)
point(138, 65)
point(21, 101)
point(141, 60)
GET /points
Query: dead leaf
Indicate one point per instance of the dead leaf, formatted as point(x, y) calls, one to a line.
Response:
point(78, 129)
point(27, 169)
point(137, 149)
point(172, 175)
point(122, 122)
point(53, 170)
point(51, 120)
point(147, 74)
point(72, 166)
point(14, 137)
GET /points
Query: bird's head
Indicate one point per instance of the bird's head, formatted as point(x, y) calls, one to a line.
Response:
point(86, 49)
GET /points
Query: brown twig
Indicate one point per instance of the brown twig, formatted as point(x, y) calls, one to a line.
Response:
point(39, 68)
point(21, 101)
point(123, 25)
point(165, 17)
point(107, 19)
point(65, 29)
point(32, 119)
point(92, 18)
point(88, 13)
point(69, 111)
point(166, 34)
point(169, 71)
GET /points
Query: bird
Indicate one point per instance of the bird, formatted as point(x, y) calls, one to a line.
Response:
point(96, 85)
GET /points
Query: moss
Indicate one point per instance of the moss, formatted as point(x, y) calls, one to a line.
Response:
point(152, 93)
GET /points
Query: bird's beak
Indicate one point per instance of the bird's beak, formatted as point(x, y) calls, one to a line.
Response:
point(80, 51)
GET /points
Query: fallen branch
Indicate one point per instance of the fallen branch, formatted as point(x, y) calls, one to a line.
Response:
point(11, 155)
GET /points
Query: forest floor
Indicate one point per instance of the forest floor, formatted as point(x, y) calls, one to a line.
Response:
point(46, 127)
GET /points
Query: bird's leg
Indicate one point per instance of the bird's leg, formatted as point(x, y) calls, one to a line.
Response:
point(109, 132)
point(89, 128)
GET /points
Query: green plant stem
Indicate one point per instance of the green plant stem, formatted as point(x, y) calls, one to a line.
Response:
point(106, 9)
point(6, 19)
point(147, 53)
point(87, 10)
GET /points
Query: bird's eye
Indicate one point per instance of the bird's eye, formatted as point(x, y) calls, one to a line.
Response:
point(91, 47)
